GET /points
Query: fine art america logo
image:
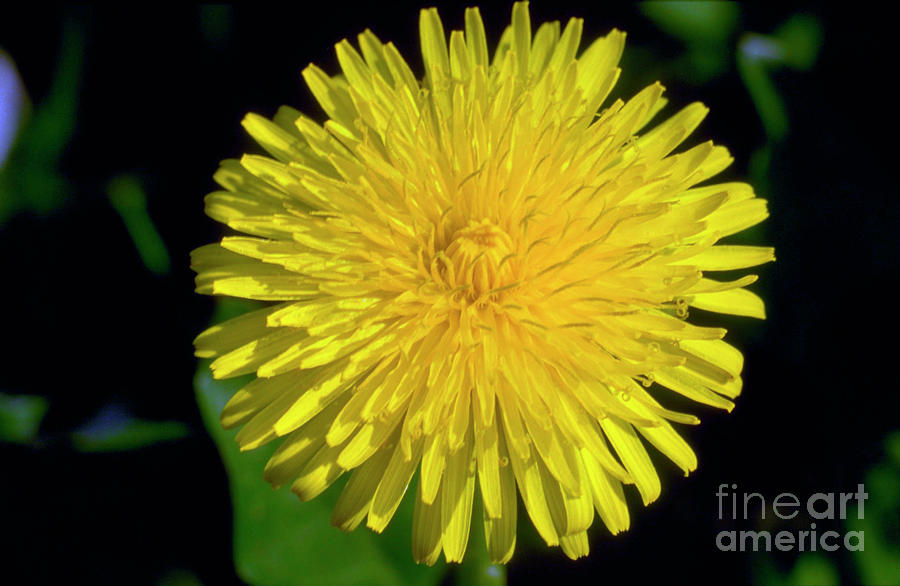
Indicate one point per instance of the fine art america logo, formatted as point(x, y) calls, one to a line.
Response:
point(734, 506)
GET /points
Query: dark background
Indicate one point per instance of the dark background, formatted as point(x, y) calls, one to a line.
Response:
point(162, 92)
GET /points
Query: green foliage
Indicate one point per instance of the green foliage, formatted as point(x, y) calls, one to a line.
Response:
point(127, 197)
point(20, 417)
point(705, 28)
point(795, 44)
point(752, 58)
point(810, 569)
point(813, 570)
point(114, 431)
point(694, 22)
point(801, 39)
point(280, 540)
point(879, 563)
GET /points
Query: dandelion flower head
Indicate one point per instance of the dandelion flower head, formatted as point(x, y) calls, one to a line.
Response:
point(482, 281)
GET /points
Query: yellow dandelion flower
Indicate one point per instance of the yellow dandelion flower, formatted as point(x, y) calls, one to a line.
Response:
point(479, 274)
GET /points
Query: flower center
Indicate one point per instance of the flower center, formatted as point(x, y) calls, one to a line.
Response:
point(480, 257)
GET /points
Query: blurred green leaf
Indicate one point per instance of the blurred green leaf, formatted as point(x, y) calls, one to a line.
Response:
point(127, 197)
point(813, 570)
point(801, 39)
point(795, 43)
point(810, 569)
point(113, 430)
point(694, 22)
point(705, 62)
point(892, 448)
point(879, 562)
point(20, 417)
point(768, 101)
point(759, 165)
point(280, 540)
point(705, 28)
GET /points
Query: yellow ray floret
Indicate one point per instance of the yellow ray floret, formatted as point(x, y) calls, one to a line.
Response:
point(483, 278)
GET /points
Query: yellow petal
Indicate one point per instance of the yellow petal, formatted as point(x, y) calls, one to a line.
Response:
point(500, 531)
point(528, 479)
point(233, 333)
point(369, 439)
point(434, 46)
point(597, 71)
point(251, 356)
point(609, 497)
point(353, 504)
point(487, 453)
point(457, 493)
point(427, 530)
point(571, 514)
point(298, 448)
point(716, 352)
point(476, 42)
point(434, 460)
point(256, 395)
point(521, 24)
point(355, 69)
point(318, 474)
point(662, 139)
point(544, 44)
point(393, 484)
point(737, 216)
point(329, 383)
point(734, 302)
point(680, 381)
point(726, 257)
point(633, 455)
point(333, 98)
point(279, 142)
point(575, 546)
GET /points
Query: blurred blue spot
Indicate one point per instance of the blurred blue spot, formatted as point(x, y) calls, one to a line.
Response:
point(114, 429)
point(110, 419)
point(20, 417)
point(30, 178)
point(12, 102)
point(761, 47)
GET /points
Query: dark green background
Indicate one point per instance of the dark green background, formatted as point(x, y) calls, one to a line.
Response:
point(120, 481)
